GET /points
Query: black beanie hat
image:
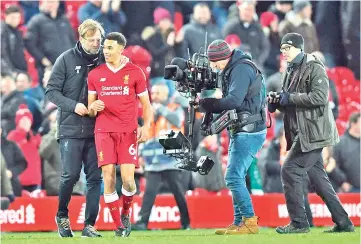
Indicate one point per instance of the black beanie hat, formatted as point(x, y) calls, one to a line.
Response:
point(219, 50)
point(293, 39)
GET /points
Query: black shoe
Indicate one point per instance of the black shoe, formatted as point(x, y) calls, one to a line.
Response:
point(127, 227)
point(337, 229)
point(90, 231)
point(139, 226)
point(186, 227)
point(290, 229)
point(64, 228)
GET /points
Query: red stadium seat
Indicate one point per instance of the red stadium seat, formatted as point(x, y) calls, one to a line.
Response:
point(72, 8)
point(341, 126)
point(344, 74)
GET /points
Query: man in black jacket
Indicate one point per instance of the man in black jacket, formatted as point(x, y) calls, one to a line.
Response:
point(12, 43)
point(67, 88)
point(243, 90)
point(309, 126)
point(10, 101)
point(49, 33)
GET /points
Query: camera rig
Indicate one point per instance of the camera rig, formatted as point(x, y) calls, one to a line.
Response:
point(191, 76)
point(176, 145)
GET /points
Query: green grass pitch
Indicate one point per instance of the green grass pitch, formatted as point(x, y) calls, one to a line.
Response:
point(199, 236)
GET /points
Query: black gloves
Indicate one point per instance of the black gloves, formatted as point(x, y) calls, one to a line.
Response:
point(284, 98)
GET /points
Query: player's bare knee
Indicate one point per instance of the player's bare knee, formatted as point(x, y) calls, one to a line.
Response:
point(129, 185)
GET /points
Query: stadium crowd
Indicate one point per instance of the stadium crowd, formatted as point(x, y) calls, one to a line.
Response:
point(35, 33)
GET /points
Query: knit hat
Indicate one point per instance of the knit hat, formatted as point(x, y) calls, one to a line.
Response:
point(23, 112)
point(233, 39)
point(219, 50)
point(267, 18)
point(293, 39)
point(299, 5)
point(160, 14)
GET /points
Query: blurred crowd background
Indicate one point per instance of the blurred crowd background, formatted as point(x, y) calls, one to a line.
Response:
point(35, 33)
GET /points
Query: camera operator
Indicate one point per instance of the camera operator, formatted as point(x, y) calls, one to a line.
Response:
point(309, 127)
point(243, 90)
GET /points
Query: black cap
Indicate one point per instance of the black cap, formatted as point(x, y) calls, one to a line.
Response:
point(293, 39)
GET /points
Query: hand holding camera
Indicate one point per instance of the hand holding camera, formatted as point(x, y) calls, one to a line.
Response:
point(273, 97)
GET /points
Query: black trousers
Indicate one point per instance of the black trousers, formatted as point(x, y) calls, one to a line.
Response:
point(75, 153)
point(293, 171)
point(174, 181)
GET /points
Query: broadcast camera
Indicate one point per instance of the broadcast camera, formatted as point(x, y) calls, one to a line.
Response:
point(192, 76)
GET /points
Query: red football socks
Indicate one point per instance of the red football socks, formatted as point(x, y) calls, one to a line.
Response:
point(127, 201)
point(112, 202)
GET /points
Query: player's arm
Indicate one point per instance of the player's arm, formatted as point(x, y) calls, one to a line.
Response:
point(92, 97)
point(147, 109)
point(147, 116)
point(94, 105)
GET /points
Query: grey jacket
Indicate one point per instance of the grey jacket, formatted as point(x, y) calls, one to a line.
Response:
point(315, 122)
point(48, 37)
point(194, 34)
point(251, 36)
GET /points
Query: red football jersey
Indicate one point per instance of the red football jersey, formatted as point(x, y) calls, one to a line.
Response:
point(119, 90)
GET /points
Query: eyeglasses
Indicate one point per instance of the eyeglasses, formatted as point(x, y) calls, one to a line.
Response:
point(93, 40)
point(286, 48)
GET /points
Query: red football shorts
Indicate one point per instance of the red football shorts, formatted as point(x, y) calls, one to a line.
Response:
point(116, 148)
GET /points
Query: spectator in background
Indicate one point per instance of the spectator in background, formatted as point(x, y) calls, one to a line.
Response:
point(25, 84)
point(32, 96)
point(281, 8)
point(15, 163)
point(12, 43)
point(7, 193)
point(195, 31)
point(30, 8)
point(162, 42)
point(269, 22)
point(299, 21)
point(250, 32)
point(159, 167)
point(350, 27)
point(140, 15)
point(48, 35)
point(107, 12)
point(10, 101)
point(274, 82)
point(347, 157)
point(328, 27)
point(29, 143)
point(233, 41)
point(236, 43)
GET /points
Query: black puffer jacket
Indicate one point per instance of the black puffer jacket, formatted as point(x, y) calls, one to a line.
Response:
point(48, 37)
point(67, 86)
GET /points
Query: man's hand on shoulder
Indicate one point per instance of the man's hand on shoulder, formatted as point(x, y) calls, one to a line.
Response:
point(143, 133)
point(81, 109)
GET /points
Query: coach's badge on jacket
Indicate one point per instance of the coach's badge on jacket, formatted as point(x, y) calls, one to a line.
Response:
point(77, 68)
